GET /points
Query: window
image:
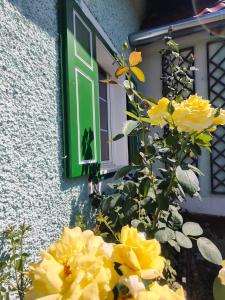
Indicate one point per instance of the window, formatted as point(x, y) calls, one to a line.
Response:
point(104, 107)
point(112, 105)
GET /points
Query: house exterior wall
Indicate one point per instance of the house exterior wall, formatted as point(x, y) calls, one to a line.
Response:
point(118, 18)
point(32, 185)
point(211, 204)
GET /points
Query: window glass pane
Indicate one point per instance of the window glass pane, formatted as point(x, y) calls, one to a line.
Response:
point(102, 86)
point(104, 146)
point(83, 41)
point(103, 106)
point(103, 115)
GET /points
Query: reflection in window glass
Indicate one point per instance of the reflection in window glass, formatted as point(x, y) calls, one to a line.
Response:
point(104, 121)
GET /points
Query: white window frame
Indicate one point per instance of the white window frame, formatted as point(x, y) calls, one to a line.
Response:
point(116, 111)
point(105, 162)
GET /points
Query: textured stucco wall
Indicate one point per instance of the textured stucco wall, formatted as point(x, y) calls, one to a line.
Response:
point(117, 17)
point(32, 187)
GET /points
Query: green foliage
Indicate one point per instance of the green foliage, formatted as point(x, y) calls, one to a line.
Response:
point(188, 180)
point(14, 262)
point(171, 57)
point(79, 221)
point(192, 229)
point(209, 251)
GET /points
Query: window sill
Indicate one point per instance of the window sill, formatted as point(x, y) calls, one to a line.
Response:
point(110, 168)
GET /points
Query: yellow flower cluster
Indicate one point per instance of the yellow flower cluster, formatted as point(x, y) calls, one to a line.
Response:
point(221, 275)
point(80, 266)
point(192, 115)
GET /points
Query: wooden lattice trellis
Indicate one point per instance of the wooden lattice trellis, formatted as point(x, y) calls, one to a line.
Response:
point(187, 55)
point(216, 92)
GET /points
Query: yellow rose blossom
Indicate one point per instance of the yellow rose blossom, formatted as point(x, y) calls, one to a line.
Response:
point(220, 120)
point(154, 292)
point(159, 113)
point(137, 255)
point(221, 275)
point(147, 295)
point(75, 267)
point(47, 278)
point(165, 293)
point(193, 114)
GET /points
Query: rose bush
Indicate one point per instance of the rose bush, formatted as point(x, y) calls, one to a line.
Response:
point(149, 192)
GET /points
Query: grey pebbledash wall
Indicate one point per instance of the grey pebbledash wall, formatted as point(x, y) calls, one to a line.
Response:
point(32, 186)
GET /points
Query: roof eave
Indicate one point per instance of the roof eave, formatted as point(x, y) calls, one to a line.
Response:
point(178, 29)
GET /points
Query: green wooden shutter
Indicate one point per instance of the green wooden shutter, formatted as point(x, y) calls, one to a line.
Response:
point(80, 88)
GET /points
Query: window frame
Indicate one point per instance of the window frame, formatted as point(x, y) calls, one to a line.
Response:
point(109, 66)
point(108, 101)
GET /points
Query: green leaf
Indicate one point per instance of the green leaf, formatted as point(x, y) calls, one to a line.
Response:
point(163, 202)
point(204, 139)
point(130, 188)
point(130, 114)
point(149, 205)
point(173, 45)
point(110, 202)
point(150, 101)
point(144, 186)
point(170, 108)
point(183, 240)
point(118, 137)
point(172, 140)
point(196, 170)
point(137, 159)
point(196, 149)
point(122, 172)
point(209, 251)
point(175, 219)
point(218, 290)
point(164, 235)
point(129, 126)
point(175, 245)
point(188, 180)
point(192, 229)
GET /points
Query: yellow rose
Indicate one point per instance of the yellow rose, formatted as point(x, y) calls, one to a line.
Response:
point(137, 255)
point(147, 295)
point(220, 120)
point(134, 284)
point(159, 113)
point(47, 278)
point(77, 266)
point(222, 274)
point(165, 293)
point(193, 114)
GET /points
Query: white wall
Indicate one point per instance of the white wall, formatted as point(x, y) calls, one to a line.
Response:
point(211, 203)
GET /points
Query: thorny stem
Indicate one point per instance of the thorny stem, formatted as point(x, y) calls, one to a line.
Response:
point(173, 176)
point(102, 220)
